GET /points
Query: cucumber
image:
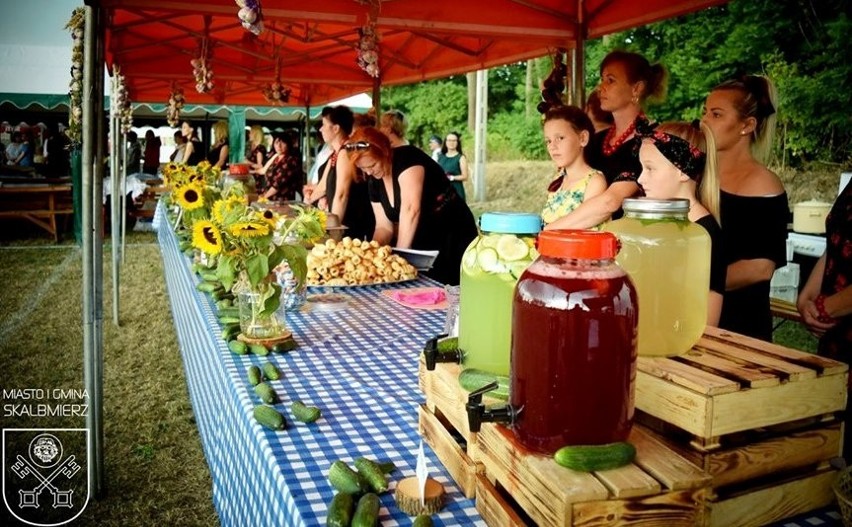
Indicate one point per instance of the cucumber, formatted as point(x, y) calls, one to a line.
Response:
point(227, 311)
point(209, 276)
point(387, 466)
point(230, 331)
point(270, 371)
point(367, 511)
point(422, 521)
point(591, 458)
point(265, 392)
point(208, 287)
point(472, 379)
point(253, 374)
point(238, 347)
point(285, 347)
point(340, 510)
point(305, 414)
point(346, 480)
point(226, 320)
point(373, 473)
point(258, 349)
point(226, 303)
point(270, 417)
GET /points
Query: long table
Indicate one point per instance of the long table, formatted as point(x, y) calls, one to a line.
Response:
point(359, 366)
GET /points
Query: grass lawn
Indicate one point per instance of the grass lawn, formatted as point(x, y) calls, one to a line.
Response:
point(154, 466)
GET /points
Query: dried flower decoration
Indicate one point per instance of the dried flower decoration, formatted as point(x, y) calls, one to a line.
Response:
point(76, 26)
point(202, 68)
point(368, 48)
point(176, 102)
point(250, 15)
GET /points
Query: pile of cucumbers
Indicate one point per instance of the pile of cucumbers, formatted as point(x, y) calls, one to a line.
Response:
point(267, 415)
point(368, 480)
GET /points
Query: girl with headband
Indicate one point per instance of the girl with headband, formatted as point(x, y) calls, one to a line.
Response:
point(679, 161)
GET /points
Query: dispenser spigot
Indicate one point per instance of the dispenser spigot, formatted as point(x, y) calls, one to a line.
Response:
point(433, 356)
point(478, 414)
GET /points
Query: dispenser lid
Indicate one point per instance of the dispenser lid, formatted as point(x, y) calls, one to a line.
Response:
point(510, 222)
point(678, 205)
point(588, 245)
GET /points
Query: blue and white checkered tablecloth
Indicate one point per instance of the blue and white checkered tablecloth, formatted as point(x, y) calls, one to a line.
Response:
point(359, 366)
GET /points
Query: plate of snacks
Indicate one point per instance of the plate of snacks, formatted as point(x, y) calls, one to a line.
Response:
point(354, 263)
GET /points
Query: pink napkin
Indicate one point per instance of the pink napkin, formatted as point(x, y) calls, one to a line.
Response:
point(423, 297)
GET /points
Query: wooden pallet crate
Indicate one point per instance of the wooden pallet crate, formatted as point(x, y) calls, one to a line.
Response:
point(731, 383)
point(524, 488)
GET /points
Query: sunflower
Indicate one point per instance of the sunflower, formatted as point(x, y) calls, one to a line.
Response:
point(250, 229)
point(207, 237)
point(219, 210)
point(269, 217)
point(190, 197)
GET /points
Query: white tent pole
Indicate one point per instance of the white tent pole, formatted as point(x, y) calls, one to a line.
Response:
point(114, 169)
point(578, 79)
point(480, 129)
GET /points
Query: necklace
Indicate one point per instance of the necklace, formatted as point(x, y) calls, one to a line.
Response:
point(609, 149)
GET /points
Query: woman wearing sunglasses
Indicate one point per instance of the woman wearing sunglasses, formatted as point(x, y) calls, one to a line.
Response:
point(414, 205)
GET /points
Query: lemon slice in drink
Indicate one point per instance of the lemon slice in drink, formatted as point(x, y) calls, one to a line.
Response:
point(490, 240)
point(487, 259)
point(469, 264)
point(518, 269)
point(511, 248)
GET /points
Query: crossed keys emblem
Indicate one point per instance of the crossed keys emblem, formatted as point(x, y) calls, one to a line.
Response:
point(61, 498)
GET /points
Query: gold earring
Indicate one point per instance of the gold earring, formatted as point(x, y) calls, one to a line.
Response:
point(635, 100)
point(742, 132)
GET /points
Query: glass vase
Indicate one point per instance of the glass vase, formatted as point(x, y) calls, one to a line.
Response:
point(293, 295)
point(253, 322)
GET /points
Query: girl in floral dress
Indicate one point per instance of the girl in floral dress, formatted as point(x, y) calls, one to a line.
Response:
point(567, 130)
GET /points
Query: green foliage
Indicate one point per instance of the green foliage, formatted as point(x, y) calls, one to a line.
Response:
point(430, 107)
point(511, 137)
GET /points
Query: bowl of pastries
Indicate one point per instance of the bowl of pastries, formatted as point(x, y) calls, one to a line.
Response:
point(348, 263)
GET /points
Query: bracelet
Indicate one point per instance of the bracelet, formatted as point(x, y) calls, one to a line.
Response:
point(823, 317)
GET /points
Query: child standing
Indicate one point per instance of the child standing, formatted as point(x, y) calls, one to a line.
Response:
point(567, 130)
point(679, 161)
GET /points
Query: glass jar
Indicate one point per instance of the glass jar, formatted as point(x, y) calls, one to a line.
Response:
point(451, 323)
point(491, 266)
point(668, 258)
point(254, 323)
point(573, 359)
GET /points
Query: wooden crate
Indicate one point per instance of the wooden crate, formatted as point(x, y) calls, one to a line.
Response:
point(730, 383)
point(523, 488)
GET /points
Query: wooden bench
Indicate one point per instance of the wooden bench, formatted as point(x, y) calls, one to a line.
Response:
point(37, 203)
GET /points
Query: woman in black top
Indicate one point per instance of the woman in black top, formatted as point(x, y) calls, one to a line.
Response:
point(192, 154)
point(218, 154)
point(628, 80)
point(679, 161)
point(754, 207)
point(413, 203)
point(345, 191)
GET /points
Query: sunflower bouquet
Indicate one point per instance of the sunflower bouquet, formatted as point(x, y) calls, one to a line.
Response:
point(193, 189)
point(249, 244)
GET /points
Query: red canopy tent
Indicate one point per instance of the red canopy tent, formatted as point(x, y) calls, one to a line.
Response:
point(312, 46)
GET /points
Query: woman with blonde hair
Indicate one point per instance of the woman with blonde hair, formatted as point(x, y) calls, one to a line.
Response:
point(218, 154)
point(679, 161)
point(753, 203)
point(257, 147)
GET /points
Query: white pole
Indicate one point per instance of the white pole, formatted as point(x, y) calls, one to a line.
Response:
point(114, 169)
point(481, 118)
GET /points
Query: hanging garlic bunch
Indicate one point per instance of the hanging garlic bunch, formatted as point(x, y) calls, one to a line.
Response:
point(250, 15)
point(121, 105)
point(368, 49)
point(75, 111)
point(176, 101)
point(276, 93)
point(203, 73)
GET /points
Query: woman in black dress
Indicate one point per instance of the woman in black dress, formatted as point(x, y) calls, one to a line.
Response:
point(754, 210)
point(628, 81)
point(413, 203)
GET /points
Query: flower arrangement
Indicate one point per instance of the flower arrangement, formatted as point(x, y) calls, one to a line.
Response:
point(250, 15)
point(76, 25)
point(368, 49)
point(176, 102)
point(194, 189)
point(249, 244)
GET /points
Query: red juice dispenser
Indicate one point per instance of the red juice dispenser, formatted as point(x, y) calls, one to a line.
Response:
point(573, 356)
